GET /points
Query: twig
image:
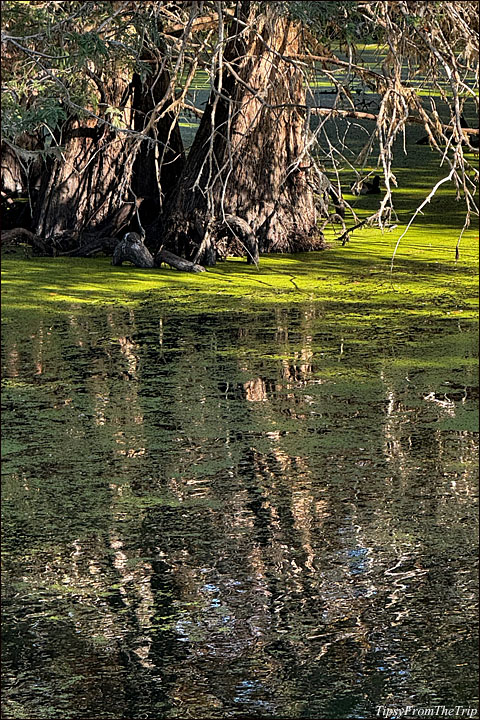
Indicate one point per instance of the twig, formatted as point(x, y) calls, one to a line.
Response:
point(425, 202)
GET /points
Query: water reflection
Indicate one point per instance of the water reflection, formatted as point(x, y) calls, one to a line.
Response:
point(259, 516)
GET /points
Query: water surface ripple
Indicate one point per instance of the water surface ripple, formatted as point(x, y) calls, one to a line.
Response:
point(265, 514)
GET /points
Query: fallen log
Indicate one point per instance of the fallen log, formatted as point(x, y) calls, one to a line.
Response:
point(133, 249)
point(91, 247)
point(18, 235)
point(164, 256)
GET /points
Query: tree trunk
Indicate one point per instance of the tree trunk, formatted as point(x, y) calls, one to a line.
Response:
point(247, 159)
point(160, 160)
point(239, 237)
point(13, 175)
point(92, 186)
point(21, 170)
point(89, 180)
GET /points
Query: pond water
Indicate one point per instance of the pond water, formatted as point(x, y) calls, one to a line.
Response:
point(237, 514)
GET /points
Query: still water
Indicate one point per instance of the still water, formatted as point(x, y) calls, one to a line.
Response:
point(264, 514)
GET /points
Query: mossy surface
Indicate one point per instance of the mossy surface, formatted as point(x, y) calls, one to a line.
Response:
point(426, 278)
point(257, 481)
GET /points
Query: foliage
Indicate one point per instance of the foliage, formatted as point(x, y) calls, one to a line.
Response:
point(339, 21)
point(51, 53)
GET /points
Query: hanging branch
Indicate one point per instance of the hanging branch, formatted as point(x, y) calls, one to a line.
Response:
point(181, 38)
point(419, 209)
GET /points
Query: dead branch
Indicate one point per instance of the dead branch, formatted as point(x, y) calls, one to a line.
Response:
point(371, 116)
point(202, 23)
point(133, 249)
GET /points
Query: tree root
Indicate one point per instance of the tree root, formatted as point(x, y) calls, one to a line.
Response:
point(164, 256)
point(133, 249)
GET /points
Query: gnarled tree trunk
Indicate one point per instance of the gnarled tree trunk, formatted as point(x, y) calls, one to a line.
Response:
point(93, 185)
point(248, 159)
point(21, 169)
point(160, 158)
point(87, 184)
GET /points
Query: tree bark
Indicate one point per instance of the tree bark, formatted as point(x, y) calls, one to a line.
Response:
point(132, 248)
point(161, 156)
point(164, 256)
point(87, 184)
point(239, 231)
point(13, 176)
point(94, 184)
point(21, 170)
point(245, 159)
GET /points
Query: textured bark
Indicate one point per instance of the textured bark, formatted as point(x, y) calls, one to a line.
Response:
point(87, 184)
point(164, 256)
point(93, 185)
point(21, 169)
point(238, 236)
point(13, 176)
point(259, 135)
point(132, 248)
point(158, 163)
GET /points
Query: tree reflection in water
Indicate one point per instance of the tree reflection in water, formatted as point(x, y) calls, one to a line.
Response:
point(264, 517)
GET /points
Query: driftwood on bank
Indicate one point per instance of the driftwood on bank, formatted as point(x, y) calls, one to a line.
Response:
point(164, 256)
point(133, 249)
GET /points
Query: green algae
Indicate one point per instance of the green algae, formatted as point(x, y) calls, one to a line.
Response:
point(367, 450)
point(125, 497)
point(427, 278)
